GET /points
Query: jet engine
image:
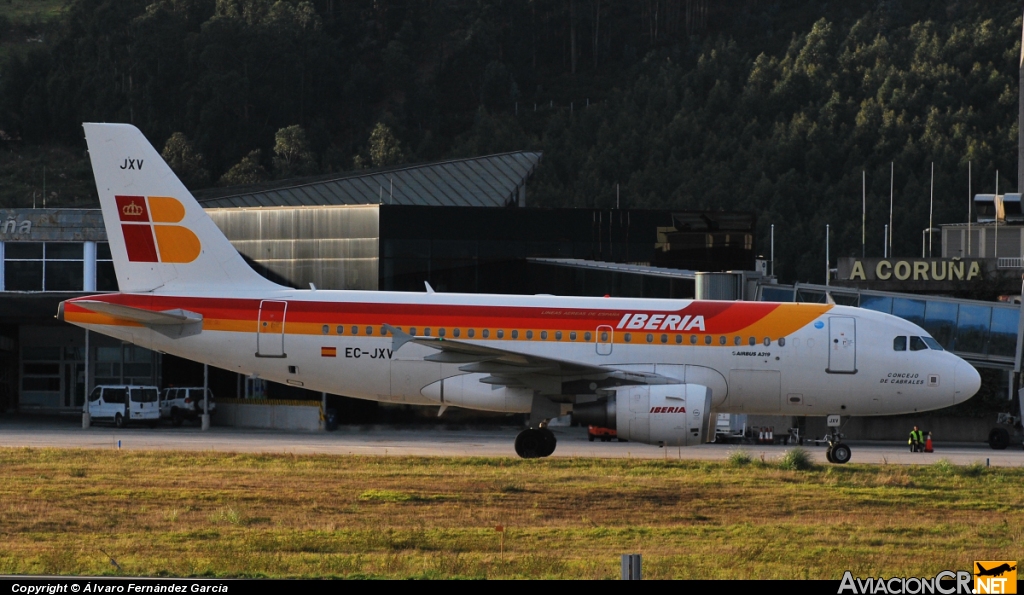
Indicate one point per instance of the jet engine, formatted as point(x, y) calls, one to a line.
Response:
point(473, 392)
point(666, 414)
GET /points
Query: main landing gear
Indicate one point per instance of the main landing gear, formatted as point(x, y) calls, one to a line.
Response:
point(534, 443)
point(837, 452)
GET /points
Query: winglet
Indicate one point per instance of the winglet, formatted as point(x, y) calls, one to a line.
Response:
point(399, 337)
point(429, 288)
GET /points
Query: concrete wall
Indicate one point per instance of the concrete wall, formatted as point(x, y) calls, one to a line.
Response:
point(943, 429)
point(300, 416)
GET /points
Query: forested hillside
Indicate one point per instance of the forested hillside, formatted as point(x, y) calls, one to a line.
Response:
point(770, 106)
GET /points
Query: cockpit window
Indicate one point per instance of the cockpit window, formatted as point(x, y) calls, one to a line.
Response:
point(899, 344)
point(932, 343)
point(917, 344)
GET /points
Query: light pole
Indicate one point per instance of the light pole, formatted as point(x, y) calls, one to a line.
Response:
point(927, 232)
point(827, 259)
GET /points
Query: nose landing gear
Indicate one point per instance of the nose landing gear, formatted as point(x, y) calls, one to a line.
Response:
point(837, 452)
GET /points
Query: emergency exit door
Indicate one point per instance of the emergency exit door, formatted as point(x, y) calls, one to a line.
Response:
point(842, 345)
point(270, 329)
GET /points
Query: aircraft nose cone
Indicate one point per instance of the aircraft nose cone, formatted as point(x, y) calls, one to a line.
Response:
point(966, 381)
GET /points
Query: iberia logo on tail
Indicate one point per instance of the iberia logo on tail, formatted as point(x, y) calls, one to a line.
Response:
point(149, 233)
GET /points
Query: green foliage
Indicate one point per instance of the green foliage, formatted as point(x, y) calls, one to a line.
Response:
point(246, 171)
point(384, 148)
point(292, 156)
point(774, 107)
point(182, 157)
point(796, 459)
point(739, 458)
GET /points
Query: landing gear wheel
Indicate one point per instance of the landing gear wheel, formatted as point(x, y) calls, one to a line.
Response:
point(841, 454)
point(118, 420)
point(998, 439)
point(534, 444)
point(828, 455)
point(550, 442)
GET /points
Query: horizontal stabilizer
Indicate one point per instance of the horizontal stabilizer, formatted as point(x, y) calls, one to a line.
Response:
point(172, 323)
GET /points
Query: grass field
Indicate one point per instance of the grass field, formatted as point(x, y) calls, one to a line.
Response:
point(211, 514)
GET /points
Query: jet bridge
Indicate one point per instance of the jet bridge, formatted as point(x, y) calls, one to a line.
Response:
point(983, 333)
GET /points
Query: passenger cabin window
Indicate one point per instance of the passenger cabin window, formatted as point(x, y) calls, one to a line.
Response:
point(917, 344)
point(899, 344)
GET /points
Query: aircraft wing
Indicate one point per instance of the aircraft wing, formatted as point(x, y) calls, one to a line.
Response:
point(172, 323)
point(505, 367)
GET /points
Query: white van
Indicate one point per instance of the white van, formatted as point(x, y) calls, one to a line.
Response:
point(178, 404)
point(122, 403)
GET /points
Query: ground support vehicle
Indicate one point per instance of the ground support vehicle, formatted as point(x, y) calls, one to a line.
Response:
point(180, 403)
point(122, 404)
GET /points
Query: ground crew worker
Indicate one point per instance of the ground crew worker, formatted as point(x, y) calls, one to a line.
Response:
point(916, 440)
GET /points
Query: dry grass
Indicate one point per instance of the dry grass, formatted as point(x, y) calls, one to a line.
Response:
point(198, 514)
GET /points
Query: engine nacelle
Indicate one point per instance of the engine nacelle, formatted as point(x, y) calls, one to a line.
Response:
point(467, 391)
point(667, 414)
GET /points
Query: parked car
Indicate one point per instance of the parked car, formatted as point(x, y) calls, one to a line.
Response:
point(122, 404)
point(180, 403)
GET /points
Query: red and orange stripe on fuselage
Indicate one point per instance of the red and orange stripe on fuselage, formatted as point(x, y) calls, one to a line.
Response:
point(309, 317)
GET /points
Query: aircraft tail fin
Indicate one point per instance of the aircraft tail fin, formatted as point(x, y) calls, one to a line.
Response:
point(161, 240)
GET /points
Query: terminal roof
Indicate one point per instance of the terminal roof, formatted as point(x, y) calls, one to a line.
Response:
point(489, 181)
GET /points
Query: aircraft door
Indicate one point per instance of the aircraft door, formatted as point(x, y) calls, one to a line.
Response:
point(270, 329)
point(605, 337)
point(842, 345)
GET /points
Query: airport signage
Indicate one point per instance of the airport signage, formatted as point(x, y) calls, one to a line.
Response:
point(913, 273)
point(51, 225)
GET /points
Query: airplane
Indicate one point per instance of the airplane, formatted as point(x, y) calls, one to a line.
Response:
point(997, 571)
point(653, 369)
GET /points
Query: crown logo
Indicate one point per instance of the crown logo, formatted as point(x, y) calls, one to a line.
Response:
point(132, 210)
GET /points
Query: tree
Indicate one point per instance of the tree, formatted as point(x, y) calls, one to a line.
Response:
point(181, 155)
point(246, 171)
point(384, 147)
point(292, 155)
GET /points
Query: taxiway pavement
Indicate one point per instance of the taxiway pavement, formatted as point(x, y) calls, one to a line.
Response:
point(65, 432)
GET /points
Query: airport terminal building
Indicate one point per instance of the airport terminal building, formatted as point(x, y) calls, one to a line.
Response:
point(461, 225)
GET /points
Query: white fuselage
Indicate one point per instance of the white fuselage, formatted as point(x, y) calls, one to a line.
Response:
point(789, 359)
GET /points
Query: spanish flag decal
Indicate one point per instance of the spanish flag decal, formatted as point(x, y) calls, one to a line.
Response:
point(328, 352)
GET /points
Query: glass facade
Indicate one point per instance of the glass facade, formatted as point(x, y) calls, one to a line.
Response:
point(56, 266)
point(969, 328)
